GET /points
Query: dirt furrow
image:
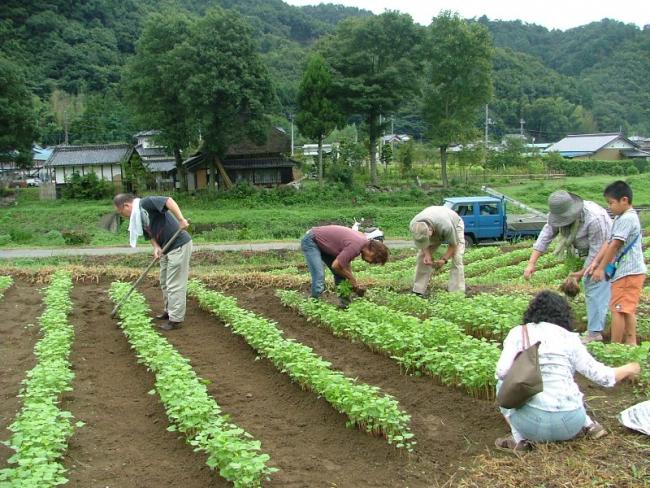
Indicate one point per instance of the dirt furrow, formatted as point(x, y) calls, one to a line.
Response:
point(124, 442)
point(19, 331)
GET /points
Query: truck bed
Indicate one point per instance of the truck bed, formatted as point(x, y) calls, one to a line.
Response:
point(525, 222)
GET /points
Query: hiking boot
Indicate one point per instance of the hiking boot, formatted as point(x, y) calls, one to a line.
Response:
point(589, 337)
point(595, 431)
point(162, 316)
point(418, 294)
point(508, 444)
point(170, 325)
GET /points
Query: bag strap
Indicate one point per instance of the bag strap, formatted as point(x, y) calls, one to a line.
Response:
point(627, 248)
point(524, 337)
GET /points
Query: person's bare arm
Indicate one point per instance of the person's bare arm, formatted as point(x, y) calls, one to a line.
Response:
point(157, 250)
point(346, 272)
point(173, 207)
point(598, 273)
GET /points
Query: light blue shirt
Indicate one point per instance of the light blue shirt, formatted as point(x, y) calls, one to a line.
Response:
point(626, 228)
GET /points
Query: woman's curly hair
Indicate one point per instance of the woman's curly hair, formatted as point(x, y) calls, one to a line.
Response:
point(548, 306)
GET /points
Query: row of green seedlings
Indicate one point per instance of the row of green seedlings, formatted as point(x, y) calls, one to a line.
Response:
point(482, 316)
point(364, 405)
point(41, 429)
point(492, 317)
point(509, 273)
point(619, 354)
point(190, 409)
point(436, 347)
point(5, 283)
point(402, 271)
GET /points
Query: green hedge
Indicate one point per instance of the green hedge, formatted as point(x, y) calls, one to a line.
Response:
point(573, 167)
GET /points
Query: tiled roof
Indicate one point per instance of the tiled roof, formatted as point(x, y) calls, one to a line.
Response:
point(150, 152)
point(585, 142)
point(257, 163)
point(161, 165)
point(88, 155)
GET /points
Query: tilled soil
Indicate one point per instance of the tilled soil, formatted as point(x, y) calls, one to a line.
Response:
point(125, 442)
point(19, 312)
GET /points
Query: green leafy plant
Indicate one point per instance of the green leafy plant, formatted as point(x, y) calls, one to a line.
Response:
point(364, 405)
point(41, 428)
point(190, 409)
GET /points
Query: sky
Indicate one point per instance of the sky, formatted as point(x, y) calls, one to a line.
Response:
point(552, 14)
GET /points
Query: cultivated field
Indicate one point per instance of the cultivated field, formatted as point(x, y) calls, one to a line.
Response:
point(268, 387)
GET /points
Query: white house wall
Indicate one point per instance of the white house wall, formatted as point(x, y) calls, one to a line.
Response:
point(109, 172)
point(619, 144)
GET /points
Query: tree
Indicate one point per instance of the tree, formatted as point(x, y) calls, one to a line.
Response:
point(318, 114)
point(457, 81)
point(154, 82)
point(17, 114)
point(374, 61)
point(225, 87)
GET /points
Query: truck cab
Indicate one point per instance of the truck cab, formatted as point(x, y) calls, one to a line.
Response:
point(486, 219)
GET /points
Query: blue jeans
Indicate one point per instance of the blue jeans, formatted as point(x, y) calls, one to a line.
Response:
point(597, 294)
point(539, 425)
point(315, 259)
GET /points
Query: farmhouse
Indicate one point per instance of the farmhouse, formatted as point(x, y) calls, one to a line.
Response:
point(155, 158)
point(105, 160)
point(603, 147)
point(264, 165)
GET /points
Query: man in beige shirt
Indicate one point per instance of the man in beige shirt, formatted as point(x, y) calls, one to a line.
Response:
point(434, 226)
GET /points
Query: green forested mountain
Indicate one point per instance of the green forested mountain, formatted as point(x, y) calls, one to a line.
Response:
point(606, 64)
point(72, 53)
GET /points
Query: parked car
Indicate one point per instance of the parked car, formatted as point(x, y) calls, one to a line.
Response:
point(33, 181)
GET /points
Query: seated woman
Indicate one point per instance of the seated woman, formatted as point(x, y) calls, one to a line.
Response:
point(558, 412)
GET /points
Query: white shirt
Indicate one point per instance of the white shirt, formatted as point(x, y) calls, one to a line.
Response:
point(561, 354)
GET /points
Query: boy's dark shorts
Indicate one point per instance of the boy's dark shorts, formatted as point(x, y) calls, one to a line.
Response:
point(626, 293)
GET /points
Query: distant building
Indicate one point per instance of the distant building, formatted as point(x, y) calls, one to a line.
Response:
point(263, 165)
point(156, 159)
point(604, 147)
point(312, 149)
point(395, 138)
point(104, 160)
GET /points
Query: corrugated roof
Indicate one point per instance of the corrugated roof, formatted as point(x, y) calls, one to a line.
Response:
point(585, 142)
point(88, 155)
point(147, 133)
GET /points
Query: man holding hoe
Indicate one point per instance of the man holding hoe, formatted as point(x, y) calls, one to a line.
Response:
point(158, 219)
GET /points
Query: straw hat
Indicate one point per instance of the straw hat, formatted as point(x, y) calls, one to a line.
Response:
point(420, 232)
point(563, 208)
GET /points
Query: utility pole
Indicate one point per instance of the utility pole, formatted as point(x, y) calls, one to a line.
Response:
point(65, 126)
point(291, 118)
point(521, 126)
point(392, 135)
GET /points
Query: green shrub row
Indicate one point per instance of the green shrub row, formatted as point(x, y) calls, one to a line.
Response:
point(434, 346)
point(41, 429)
point(190, 409)
point(580, 167)
point(364, 405)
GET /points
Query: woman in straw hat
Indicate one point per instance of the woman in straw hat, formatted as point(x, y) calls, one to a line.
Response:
point(580, 226)
point(430, 228)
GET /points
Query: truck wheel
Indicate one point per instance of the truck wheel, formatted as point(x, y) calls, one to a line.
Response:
point(469, 240)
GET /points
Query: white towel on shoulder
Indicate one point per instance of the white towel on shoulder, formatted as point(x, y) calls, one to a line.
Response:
point(135, 223)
